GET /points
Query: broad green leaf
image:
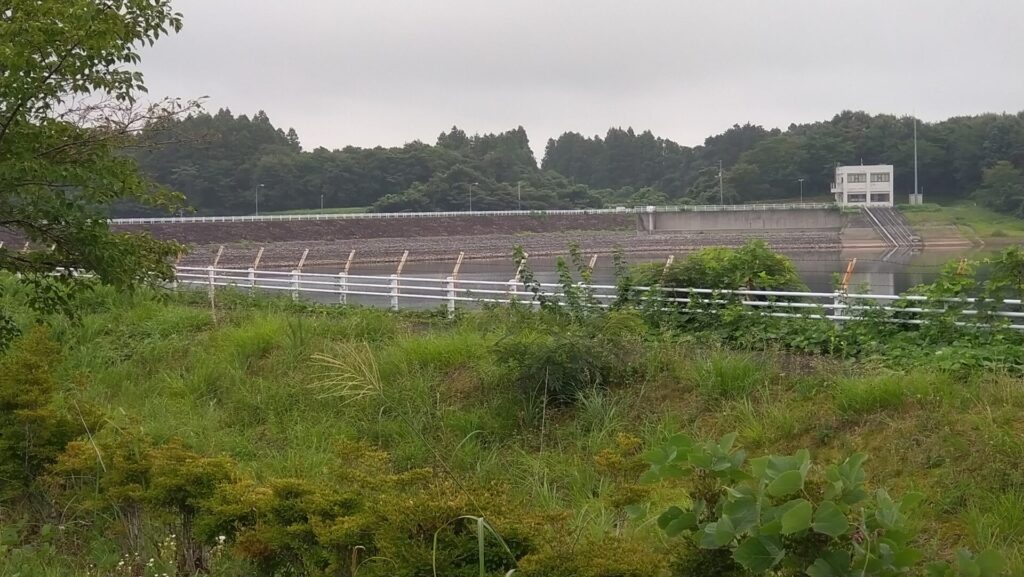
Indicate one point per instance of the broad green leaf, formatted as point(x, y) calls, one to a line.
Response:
point(797, 518)
point(887, 511)
point(656, 456)
point(636, 511)
point(650, 476)
point(674, 521)
point(742, 512)
point(759, 553)
point(759, 467)
point(939, 569)
point(831, 564)
point(726, 442)
point(670, 514)
point(906, 557)
point(991, 563)
point(682, 443)
point(829, 520)
point(718, 534)
point(786, 484)
point(686, 522)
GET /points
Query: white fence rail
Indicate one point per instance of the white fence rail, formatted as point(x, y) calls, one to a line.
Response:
point(391, 215)
point(396, 291)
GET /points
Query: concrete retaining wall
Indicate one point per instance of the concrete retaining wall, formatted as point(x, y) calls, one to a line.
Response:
point(778, 220)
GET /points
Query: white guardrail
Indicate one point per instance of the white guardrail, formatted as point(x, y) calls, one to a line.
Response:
point(378, 215)
point(418, 292)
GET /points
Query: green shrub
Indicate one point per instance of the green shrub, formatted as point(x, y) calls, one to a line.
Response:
point(34, 429)
point(753, 266)
point(560, 362)
point(773, 516)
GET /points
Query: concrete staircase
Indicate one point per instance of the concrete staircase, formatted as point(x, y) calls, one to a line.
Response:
point(892, 226)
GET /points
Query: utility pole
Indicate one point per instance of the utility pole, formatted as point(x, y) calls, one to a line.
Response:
point(258, 187)
point(321, 202)
point(915, 157)
point(721, 185)
point(471, 185)
point(801, 189)
point(519, 193)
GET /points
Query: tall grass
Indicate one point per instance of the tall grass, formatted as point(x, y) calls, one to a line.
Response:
point(729, 375)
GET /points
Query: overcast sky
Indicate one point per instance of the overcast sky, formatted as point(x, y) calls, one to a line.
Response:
point(369, 72)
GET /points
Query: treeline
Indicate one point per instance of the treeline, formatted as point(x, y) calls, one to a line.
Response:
point(222, 162)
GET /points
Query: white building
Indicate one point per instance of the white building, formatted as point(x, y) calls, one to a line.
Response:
point(864, 185)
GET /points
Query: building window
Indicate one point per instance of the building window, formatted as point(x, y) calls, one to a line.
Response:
point(879, 177)
point(879, 198)
point(856, 177)
point(856, 198)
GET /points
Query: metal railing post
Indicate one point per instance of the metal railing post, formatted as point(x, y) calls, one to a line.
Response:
point(342, 288)
point(252, 281)
point(295, 284)
point(512, 288)
point(394, 292)
point(450, 287)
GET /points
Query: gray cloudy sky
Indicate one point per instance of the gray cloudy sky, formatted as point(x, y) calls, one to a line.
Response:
point(371, 72)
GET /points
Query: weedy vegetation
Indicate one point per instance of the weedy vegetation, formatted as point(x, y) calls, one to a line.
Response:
point(146, 438)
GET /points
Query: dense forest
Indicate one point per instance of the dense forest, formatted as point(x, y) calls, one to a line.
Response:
point(222, 162)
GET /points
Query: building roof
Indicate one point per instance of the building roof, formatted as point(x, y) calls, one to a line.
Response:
point(864, 167)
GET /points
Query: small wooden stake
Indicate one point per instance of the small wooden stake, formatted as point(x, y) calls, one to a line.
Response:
point(259, 256)
point(458, 265)
point(302, 260)
point(348, 263)
point(401, 263)
point(216, 259)
point(522, 263)
point(849, 273)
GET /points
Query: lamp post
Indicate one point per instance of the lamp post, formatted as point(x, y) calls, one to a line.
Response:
point(257, 189)
point(801, 181)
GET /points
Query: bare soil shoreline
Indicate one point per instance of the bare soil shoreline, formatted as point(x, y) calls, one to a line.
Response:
point(495, 246)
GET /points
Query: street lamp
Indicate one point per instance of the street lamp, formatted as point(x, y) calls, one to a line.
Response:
point(801, 181)
point(257, 188)
point(471, 185)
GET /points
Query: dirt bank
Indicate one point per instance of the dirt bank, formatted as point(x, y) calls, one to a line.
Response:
point(373, 228)
point(287, 254)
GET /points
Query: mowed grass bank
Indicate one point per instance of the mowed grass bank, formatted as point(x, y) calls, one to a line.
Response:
point(281, 388)
point(971, 220)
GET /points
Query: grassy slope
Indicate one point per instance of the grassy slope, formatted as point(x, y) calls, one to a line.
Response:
point(972, 221)
point(248, 387)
